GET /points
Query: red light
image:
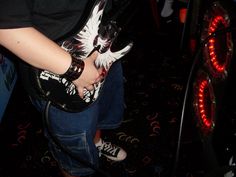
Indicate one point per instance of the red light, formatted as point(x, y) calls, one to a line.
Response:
point(218, 51)
point(204, 103)
point(219, 64)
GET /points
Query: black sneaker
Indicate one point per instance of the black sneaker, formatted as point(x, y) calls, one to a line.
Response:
point(111, 151)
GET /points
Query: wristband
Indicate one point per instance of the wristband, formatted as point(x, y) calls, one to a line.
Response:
point(75, 70)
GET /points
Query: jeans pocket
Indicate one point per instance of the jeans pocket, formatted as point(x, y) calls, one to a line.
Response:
point(73, 152)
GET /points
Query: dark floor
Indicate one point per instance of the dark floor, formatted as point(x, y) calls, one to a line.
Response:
point(155, 80)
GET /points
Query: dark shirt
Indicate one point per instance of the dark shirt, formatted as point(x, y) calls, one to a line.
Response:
point(54, 18)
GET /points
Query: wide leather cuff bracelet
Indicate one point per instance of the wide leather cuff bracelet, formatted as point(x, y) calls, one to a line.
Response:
point(75, 70)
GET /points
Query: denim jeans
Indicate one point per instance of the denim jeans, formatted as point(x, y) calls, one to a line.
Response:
point(76, 130)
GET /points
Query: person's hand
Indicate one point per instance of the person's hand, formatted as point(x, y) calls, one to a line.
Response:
point(90, 75)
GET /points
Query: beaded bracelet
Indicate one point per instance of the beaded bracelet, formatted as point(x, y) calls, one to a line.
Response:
point(75, 70)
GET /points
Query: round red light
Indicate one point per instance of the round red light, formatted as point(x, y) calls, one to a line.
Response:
point(204, 102)
point(218, 50)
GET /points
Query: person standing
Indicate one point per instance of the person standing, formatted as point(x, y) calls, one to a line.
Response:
point(29, 29)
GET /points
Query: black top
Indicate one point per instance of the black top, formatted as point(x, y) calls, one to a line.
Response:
point(54, 18)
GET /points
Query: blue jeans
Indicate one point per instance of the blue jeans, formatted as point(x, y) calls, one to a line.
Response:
point(76, 130)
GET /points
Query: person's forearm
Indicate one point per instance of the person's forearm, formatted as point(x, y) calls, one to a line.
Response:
point(35, 49)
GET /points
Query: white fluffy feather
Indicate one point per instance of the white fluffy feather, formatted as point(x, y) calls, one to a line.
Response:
point(87, 35)
point(106, 59)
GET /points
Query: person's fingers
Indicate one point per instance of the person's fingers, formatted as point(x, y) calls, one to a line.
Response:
point(94, 55)
point(102, 73)
point(80, 91)
point(90, 87)
point(99, 79)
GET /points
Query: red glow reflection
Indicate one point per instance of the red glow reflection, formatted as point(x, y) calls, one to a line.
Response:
point(204, 104)
point(218, 57)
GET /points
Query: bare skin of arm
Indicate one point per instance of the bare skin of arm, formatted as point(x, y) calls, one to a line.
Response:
point(39, 51)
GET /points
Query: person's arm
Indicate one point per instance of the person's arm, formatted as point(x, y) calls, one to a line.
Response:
point(41, 52)
point(35, 49)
